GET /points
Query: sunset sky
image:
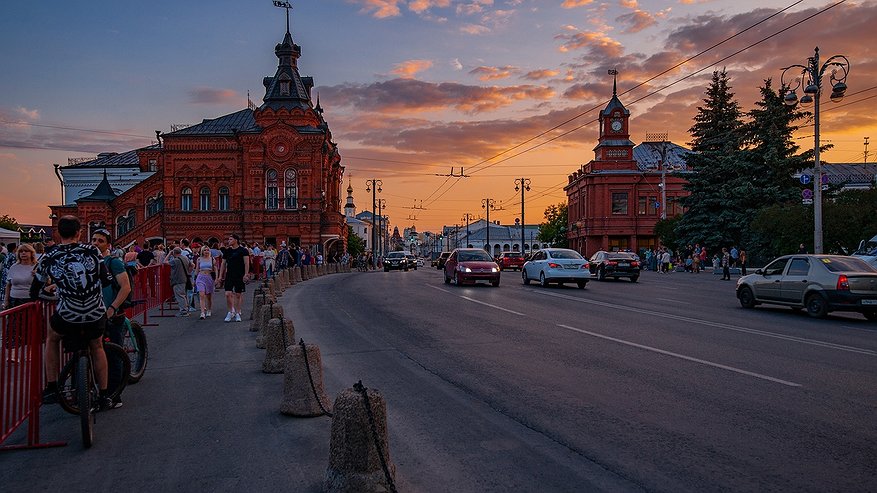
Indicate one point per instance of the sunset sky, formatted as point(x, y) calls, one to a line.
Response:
point(410, 88)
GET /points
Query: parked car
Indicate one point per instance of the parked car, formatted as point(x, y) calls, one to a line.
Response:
point(867, 251)
point(817, 283)
point(471, 265)
point(558, 265)
point(440, 262)
point(420, 262)
point(615, 264)
point(395, 261)
point(412, 261)
point(510, 260)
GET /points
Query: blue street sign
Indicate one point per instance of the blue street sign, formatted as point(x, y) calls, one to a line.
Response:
point(825, 179)
point(657, 205)
point(807, 193)
point(806, 179)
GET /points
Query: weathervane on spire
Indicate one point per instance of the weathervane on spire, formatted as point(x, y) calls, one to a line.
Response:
point(614, 74)
point(287, 6)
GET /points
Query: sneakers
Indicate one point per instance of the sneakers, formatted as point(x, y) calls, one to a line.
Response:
point(105, 403)
point(183, 314)
point(117, 402)
point(208, 313)
point(51, 396)
point(202, 317)
point(228, 317)
point(237, 317)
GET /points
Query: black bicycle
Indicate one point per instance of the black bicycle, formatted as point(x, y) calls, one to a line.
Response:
point(79, 392)
point(135, 346)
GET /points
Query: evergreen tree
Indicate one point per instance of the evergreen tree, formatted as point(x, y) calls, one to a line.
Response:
point(355, 244)
point(713, 218)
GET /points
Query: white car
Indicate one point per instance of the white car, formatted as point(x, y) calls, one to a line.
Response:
point(557, 265)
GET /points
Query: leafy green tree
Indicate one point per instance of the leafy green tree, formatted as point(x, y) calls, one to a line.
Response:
point(712, 218)
point(553, 230)
point(355, 244)
point(665, 229)
point(8, 222)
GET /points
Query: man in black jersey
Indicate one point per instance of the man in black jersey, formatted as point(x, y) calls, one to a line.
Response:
point(234, 274)
point(78, 275)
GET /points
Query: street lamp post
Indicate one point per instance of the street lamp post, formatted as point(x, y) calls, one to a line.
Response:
point(522, 184)
point(382, 204)
point(374, 186)
point(488, 204)
point(840, 68)
point(467, 217)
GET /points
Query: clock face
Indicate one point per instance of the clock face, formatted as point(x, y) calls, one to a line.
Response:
point(281, 148)
point(616, 125)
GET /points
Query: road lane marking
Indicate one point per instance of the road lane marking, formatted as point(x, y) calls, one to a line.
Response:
point(492, 306)
point(682, 356)
point(477, 301)
point(718, 325)
point(673, 301)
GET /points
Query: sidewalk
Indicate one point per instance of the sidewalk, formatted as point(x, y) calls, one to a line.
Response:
point(204, 418)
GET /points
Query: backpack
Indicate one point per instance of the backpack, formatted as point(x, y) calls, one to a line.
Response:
point(131, 270)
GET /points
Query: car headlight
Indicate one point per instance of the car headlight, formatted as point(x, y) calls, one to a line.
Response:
point(465, 269)
point(494, 269)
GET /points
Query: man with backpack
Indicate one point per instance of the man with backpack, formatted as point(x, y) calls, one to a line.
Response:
point(116, 293)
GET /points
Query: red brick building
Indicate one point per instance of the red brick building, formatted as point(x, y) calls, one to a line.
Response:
point(270, 173)
point(614, 200)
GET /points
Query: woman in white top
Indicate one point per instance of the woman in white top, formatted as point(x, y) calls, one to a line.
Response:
point(20, 276)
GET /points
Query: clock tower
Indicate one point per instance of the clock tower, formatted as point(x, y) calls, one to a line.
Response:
point(614, 148)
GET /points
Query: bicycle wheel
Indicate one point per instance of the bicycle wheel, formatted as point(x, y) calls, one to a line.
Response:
point(118, 374)
point(84, 385)
point(137, 350)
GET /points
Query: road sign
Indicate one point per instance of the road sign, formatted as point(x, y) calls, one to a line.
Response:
point(824, 187)
point(657, 205)
point(807, 201)
point(806, 179)
point(824, 179)
point(807, 194)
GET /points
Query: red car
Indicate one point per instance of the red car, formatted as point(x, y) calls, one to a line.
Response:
point(471, 265)
point(510, 260)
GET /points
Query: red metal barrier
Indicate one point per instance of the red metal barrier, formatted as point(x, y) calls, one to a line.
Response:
point(21, 373)
point(151, 290)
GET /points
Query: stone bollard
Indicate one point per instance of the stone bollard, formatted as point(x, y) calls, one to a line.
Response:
point(312, 271)
point(284, 278)
point(296, 274)
point(305, 272)
point(355, 464)
point(299, 398)
point(273, 311)
point(279, 335)
point(258, 301)
point(275, 285)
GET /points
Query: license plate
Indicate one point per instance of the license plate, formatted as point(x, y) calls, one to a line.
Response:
point(869, 302)
point(623, 264)
point(570, 266)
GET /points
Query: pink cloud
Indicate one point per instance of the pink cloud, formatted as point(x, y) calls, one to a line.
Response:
point(410, 68)
point(571, 4)
point(493, 73)
point(541, 74)
point(210, 95)
point(593, 41)
point(636, 21)
point(380, 9)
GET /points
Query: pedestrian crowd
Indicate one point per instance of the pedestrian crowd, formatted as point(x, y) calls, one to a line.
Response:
point(695, 259)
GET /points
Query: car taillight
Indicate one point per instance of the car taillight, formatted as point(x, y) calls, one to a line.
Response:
point(843, 283)
point(634, 263)
point(586, 266)
point(555, 266)
point(612, 262)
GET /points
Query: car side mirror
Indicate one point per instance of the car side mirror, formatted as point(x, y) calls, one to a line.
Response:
point(759, 272)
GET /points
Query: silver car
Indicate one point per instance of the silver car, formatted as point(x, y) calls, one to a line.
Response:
point(817, 283)
point(557, 265)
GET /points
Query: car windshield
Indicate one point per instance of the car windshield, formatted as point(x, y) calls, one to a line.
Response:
point(846, 264)
point(474, 256)
point(514, 255)
point(396, 255)
point(620, 256)
point(565, 254)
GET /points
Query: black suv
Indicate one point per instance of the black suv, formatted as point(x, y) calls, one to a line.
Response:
point(395, 260)
point(440, 263)
point(412, 261)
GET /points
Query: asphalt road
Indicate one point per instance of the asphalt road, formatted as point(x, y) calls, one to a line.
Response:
point(662, 385)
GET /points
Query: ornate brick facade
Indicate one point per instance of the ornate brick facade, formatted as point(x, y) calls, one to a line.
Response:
point(614, 200)
point(271, 174)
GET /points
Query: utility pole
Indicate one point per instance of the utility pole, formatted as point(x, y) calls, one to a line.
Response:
point(866, 149)
point(662, 138)
point(488, 204)
point(382, 203)
point(467, 217)
point(374, 186)
point(522, 184)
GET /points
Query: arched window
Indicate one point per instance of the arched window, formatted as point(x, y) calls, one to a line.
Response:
point(272, 193)
point(154, 205)
point(505, 247)
point(125, 223)
point(223, 198)
point(290, 192)
point(186, 200)
point(205, 199)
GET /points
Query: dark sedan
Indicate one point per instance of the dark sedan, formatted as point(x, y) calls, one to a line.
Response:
point(615, 264)
point(395, 261)
point(471, 265)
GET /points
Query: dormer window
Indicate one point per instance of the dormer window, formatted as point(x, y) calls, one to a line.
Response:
point(285, 84)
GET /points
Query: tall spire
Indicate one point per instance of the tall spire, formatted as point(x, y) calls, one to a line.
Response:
point(287, 89)
point(614, 74)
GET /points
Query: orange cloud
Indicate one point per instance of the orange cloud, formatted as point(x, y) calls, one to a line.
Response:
point(410, 68)
point(210, 95)
point(571, 4)
point(380, 9)
point(541, 74)
point(594, 41)
point(493, 73)
point(637, 21)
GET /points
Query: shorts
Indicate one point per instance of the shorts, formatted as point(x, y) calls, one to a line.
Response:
point(204, 283)
point(235, 285)
point(85, 331)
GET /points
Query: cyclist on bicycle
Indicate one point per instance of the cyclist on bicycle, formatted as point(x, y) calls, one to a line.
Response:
point(78, 274)
point(114, 293)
